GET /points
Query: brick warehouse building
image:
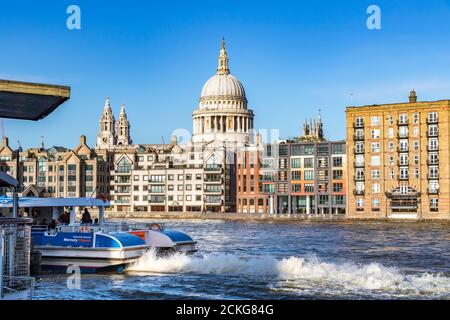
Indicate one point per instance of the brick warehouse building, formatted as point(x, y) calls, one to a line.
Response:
point(398, 160)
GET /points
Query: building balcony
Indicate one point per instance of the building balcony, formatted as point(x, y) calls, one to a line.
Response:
point(357, 137)
point(220, 180)
point(356, 151)
point(432, 177)
point(156, 182)
point(359, 164)
point(433, 191)
point(403, 177)
point(358, 125)
point(402, 123)
point(402, 163)
point(213, 191)
point(433, 162)
point(358, 192)
point(434, 120)
point(213, 169)
point(432, 148)
point(402, 149)
point(356, 178)
point(402, 135)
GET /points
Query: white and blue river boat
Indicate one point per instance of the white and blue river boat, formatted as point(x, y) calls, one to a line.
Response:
point(99, 246)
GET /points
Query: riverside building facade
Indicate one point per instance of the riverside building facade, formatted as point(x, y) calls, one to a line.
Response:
point(305, 175)
point(198, 175)
point(57, 171)
point(398, 160)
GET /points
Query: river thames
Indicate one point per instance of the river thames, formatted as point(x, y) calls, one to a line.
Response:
point(291, 260)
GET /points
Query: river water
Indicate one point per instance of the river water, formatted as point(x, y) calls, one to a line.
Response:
point(295, 260)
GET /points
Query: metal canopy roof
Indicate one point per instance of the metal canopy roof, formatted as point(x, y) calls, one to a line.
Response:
point(30, 101)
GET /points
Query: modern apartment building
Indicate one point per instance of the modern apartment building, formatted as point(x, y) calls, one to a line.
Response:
point(398, 156)
point(305, 175)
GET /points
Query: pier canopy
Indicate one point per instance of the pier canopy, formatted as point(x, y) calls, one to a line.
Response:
point(30, 101)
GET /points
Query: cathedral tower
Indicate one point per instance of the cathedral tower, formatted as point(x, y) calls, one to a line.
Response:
point(123, 128)
point(106, 134)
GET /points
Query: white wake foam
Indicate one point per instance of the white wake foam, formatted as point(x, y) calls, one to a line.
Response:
point(298, 271)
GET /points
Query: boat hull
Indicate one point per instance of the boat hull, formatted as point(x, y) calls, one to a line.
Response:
point(89, 260)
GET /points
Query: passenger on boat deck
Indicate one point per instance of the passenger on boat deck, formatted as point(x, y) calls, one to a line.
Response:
point(52, 224)
point(64, 218)
point(95, 221)
point(44, 222)
point(86, 218)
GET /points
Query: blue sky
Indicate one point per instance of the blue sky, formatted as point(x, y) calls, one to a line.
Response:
point(293, 58)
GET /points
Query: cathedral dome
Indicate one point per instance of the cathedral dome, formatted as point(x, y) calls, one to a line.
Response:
point(223, 90)
point(221, 85)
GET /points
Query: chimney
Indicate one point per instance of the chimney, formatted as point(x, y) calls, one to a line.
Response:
point(82, 139)
point(5, 141)
point(412, 96)
point(258, 139)
point(173, 141)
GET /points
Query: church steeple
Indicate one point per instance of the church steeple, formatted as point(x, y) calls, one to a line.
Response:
point(123, 128)
point(105, 137)
point(223, 60)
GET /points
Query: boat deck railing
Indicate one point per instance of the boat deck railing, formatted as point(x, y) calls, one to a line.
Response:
point(104, 227)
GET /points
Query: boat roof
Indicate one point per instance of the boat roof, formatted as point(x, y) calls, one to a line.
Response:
point(7, 181)
point(32, 202)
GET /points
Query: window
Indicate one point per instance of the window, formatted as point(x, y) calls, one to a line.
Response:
point(136, 178)
point(434, 203)
point(198, 176)
point(296, 163)
point(433, 172)
point(359, 121)
point(360, 203)
point(296, 175)
point(391, 160)
point(391, 174)
point(433, 144)
point(157, 178)
point(296, 187)
point(403, 145)
point(416, 173)
point(309, 175)
point(375, 174)
point(359, 174)
point(404, 173)
point(309, 162)
point(309, 187)
point(337, 187)
point(416, 145)
point(416, 159)
point(375, 121)
point(416, 132)
point(359, 147)
point(433, 130)
point(391, 146)
point(433, 158)
point(375, 203)
point(180, 177)
point(404, 159)
point(403, 132)
point(403, 118)
point(375, 147)
point(391, 133)
point(376, 187)
point(359, 133)
point(337, 174)
point(433, 186)
point(337, 162)
point(375, 161)
point(416, 117)
point(170, 177)
point(359, 159)
point(375, 133)
point(390, 120)
point(432, 117)
point(180, 187)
